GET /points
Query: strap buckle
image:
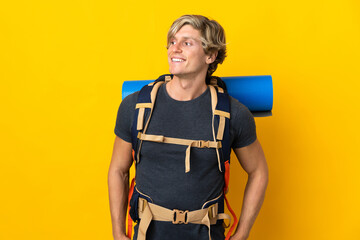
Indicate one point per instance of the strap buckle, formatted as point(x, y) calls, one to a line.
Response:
point(207, 144)
point(204, 144)
point(213, 211)
point(180, 217)
point(141, 205)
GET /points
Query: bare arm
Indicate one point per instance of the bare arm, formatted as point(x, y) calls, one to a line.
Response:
point(253, 161)
point(118, 181)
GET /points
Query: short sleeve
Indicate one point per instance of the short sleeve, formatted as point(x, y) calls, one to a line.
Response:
point(125, 116)
point(242, 125)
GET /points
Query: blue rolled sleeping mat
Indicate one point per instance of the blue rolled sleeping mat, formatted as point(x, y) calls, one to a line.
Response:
point(255, 92)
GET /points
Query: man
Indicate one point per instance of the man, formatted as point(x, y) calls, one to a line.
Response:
point(183, 111)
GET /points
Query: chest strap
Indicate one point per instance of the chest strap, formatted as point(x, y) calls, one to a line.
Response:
point(149, 211)
point(180, 141)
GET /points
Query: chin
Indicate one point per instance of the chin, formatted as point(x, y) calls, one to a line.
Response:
point(175, 72)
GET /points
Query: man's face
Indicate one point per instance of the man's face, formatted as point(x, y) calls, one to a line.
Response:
point(186, 55)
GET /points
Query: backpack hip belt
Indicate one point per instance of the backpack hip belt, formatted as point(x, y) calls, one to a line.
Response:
point(149, 211)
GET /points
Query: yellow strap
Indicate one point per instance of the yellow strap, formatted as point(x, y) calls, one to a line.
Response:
point(146, 218)
point(150, 211)
point(167, 78)
point(225, 216)
point(222, 113)
point(213, 107)
point(213, 82)
point(179, 141)
point(154, 91)
point(152, 138)
point(143, 105)
point(140, 120)
point(221, 127)
point(187, 159)
point(220, 133)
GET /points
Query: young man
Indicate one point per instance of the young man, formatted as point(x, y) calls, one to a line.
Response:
point(183, 111)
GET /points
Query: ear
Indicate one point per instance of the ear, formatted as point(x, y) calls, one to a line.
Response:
point(211, 57)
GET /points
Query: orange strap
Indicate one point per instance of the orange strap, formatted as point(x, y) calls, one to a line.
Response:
point(233, 226)
point(226, 188)
point(227, 176)
point(129, 225)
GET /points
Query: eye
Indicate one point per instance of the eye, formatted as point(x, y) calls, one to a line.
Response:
point(187, 44)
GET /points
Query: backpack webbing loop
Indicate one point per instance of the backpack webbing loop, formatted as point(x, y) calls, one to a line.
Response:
point(140, 120)
point(222, 115)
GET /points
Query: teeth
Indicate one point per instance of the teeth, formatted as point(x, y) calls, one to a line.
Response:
point(177, 60)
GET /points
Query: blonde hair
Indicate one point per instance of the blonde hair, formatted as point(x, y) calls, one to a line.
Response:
point(212, 36)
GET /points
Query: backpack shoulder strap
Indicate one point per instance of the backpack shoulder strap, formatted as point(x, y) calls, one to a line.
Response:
point(222, 116)
point(220, 102)
point(143, 110)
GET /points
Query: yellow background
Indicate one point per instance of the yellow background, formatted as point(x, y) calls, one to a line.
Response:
point(62, 67)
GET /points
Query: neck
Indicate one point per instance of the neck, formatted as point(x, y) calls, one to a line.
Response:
point(185, 89)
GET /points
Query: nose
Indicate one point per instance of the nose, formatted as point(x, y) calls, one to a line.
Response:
point(177, 48)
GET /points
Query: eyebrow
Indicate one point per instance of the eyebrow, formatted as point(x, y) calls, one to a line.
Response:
point(186, 37)
point(190, 38)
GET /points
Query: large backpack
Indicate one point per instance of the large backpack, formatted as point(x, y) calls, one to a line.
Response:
point(220, 102)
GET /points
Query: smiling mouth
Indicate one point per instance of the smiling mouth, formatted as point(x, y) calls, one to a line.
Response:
point(177, 60)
